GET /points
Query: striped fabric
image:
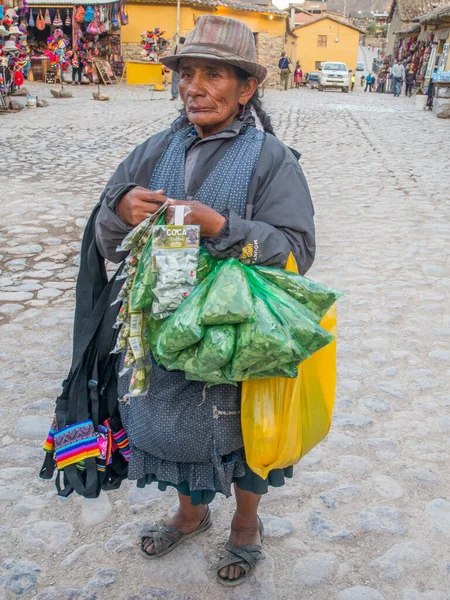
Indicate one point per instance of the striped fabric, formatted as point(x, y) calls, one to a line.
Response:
point(49, 444)
point(122, 443)
point(220, 31)
point(75, 443)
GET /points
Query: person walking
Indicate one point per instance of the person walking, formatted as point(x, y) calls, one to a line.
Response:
point(363, 79)
point(298, 75)
point(176, 76)
point(182, 433)
point(410, 80)
point(353, 81)
point(398, 75)
point(285, 70)
point(369, 82)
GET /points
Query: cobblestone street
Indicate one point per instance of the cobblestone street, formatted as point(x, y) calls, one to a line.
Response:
point(367, 514)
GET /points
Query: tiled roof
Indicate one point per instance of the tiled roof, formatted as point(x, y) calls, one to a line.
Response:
point(438, 14)
point(244, 6)
point(412, 10)
point(332, 18)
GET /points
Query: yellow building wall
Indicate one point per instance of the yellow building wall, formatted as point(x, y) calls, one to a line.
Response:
point(148, 16)
point(345, 50)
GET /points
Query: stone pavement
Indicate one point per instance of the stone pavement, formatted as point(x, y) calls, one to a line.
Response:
point(367, 515)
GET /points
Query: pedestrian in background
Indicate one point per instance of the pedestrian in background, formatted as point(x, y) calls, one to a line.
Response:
point(363, 79)
point(398, 75)
point(175, 75)
point(298, 75)
point(77, 68)
point(410, 80)
point(285, 71)
point(353, 81)
point(369, 82)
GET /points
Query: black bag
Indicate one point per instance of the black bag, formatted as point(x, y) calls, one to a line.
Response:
point(90, 390)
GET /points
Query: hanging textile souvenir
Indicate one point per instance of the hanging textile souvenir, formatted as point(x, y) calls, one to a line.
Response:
point(47, 18)
point(57, 21)
point(124, 14)
point(40, 23)
point(98, 18)
point(92, 28)
point(31, 21)
point(79, 15)
point(115, 21)
point(68, 21)
point(89, 15)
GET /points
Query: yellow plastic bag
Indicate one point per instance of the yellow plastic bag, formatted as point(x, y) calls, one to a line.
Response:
point(282, 419)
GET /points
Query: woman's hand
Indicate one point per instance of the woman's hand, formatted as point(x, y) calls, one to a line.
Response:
point(210, 221)
point(138, 203)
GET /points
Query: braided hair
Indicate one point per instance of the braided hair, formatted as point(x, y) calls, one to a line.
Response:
point(256, 104)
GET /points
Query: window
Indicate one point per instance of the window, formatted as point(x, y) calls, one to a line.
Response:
point(322, 41)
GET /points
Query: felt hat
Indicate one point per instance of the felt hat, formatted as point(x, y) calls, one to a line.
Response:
point(10, 46)
point(223, 39)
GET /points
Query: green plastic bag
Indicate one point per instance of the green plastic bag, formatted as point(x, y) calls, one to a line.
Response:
point(318, 298)
point(263, 344)
point(308, 334)
point(218, 377)
point(141, 292)
point(182, 330)
point(206, 263)
point(229, 299)
point(216, 348)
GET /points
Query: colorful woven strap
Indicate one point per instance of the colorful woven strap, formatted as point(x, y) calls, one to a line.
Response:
point(49, 444)
point(75, 443)
point(122, 443)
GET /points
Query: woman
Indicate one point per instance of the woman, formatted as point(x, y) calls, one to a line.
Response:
point(248, 194)
point(410, 80)
point(298, 75)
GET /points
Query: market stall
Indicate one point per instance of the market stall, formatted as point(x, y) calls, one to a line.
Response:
point(149, 71)
point(14, 54)
point(90, 33)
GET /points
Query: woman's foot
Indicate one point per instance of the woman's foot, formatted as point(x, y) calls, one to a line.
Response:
point(244, 532)
point(187, 519)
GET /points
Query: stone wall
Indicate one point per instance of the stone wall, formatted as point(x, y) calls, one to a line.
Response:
point(131, 51)
point(268, 50)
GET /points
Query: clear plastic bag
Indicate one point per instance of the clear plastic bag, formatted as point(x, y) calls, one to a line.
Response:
point(141, 291)
point(175, 250)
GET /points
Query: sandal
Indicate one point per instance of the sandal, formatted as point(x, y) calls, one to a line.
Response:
point(167, 537)
point(240, 556)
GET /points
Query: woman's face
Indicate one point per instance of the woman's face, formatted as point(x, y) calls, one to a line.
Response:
point(212, 93)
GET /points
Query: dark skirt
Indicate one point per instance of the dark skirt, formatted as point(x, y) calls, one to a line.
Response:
point(249, 482)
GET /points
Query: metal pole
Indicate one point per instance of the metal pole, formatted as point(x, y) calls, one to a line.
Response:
point(177, 34)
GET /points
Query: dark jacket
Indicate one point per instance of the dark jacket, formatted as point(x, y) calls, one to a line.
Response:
point(282, 216)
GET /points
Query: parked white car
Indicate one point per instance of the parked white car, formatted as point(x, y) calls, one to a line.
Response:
point(334, 75)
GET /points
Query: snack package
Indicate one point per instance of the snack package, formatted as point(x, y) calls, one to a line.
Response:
point(174, 263)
